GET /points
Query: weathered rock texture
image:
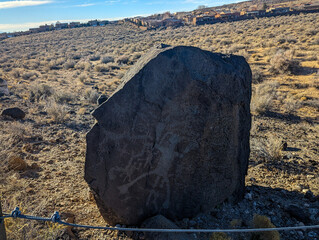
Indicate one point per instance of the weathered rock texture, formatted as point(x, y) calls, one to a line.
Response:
point(174, 138)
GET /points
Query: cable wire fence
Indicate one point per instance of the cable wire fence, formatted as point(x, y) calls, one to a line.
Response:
point(55, 218)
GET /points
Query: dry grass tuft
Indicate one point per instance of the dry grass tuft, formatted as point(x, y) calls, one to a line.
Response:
point(263, 96)
point(57, 111)
point(40, 91)
point(91, 95)
point(283, 62)
point(271, 150)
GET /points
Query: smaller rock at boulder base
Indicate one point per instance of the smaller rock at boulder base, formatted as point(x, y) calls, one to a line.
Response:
point(102, 98)
point(15, 113)
point(161, 222)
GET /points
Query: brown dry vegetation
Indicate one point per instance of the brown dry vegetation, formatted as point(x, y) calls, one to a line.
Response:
point(57, 76)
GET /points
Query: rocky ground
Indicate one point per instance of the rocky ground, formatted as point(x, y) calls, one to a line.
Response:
point(56, 77)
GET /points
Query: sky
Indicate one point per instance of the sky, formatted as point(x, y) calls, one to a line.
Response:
point(20, 15)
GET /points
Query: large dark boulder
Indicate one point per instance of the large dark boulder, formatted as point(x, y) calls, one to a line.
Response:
point(174, 138)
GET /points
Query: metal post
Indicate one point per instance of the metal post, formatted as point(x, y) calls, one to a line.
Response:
point(2, 227)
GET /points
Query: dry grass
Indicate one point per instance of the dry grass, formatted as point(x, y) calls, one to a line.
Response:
point(58, 112)
point(263, 96)
point(270, 150)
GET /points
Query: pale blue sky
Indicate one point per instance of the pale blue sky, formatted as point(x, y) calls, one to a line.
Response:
point(21, 15)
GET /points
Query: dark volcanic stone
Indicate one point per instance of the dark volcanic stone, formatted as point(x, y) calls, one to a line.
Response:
point(102, 98)
point(298, 213)
point(161, 222)
point(173, 139)
point(15, 113)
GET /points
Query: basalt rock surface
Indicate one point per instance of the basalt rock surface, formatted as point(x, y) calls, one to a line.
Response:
point(173, 139)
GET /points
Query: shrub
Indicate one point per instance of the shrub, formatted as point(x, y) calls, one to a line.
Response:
point(260, 221)
point(257, 76)
point(244, 53)
point(63, 97)
point(291, 105)
point(101, 68)
point(57, 111)
point(235, 48)
point(263, 96)
point(107, 59)
point(283, 62)
point(28, 75)
point(40, 92)
point(82, 78)
point(136, 56)
point(270, 151)
point(91, 95)
point(122, 59)
point(69, 64)
point(112, 66)
point(16, 73)
point(94, 58)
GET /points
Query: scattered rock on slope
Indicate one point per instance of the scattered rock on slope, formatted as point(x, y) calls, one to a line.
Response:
point(173, 139)
point(15, 113)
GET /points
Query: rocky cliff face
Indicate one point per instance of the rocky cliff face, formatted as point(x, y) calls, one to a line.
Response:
point(174, 138)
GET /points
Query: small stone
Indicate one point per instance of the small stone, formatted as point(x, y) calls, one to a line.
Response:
point(35, 166)
point(50, 161)
point(304, 190)
point(102, 98)
point(312, 235)
point(192, 223)
point(249, 196)
point(309, 195)
point(15, 113)
point(17, 163)
point(309, 176)
point(284, 146)
point(29, 190)
point(160, 222)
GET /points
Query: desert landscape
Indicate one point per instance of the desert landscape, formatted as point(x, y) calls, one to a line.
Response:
point(56, 78)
